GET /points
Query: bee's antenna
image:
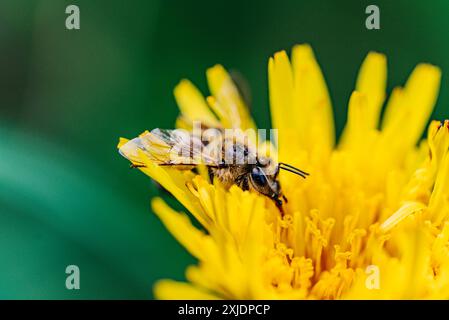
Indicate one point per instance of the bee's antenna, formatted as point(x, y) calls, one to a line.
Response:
point(292, 169)
point(295, 172)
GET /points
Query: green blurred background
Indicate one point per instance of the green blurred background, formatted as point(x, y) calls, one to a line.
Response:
point(67, 197)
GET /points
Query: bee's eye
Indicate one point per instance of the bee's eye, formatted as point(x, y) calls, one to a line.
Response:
point(258, 176)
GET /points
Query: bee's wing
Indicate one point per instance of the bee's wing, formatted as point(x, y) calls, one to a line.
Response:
point(168, 147)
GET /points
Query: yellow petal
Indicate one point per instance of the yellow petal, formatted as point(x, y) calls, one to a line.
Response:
point(438, 140)
point(356, 130)
point(311, 98)
point(192, 104)
point(408, 209)
point(228, 98)
point(415, 105)
point(280, 78)
point(283, 111)
point(372, 82)
point(121, 142)
point(174, 290)
point(175, 182)
point(179, 225)
point(439, 200)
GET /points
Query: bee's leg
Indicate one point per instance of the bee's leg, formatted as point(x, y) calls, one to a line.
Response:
point(285, 198)
point(211, 174)
point(244, 184)
point(135, 165)
point(278, 203)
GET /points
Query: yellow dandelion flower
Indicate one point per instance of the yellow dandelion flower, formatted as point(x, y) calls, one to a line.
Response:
point(371, 221)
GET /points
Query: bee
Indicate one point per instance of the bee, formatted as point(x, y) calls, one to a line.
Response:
point(231, 159)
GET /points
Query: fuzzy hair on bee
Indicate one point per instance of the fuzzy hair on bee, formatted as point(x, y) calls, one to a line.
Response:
point(230, 159)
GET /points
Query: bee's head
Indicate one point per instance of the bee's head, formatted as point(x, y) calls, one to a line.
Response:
point(264, 174)
point(264, 183)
